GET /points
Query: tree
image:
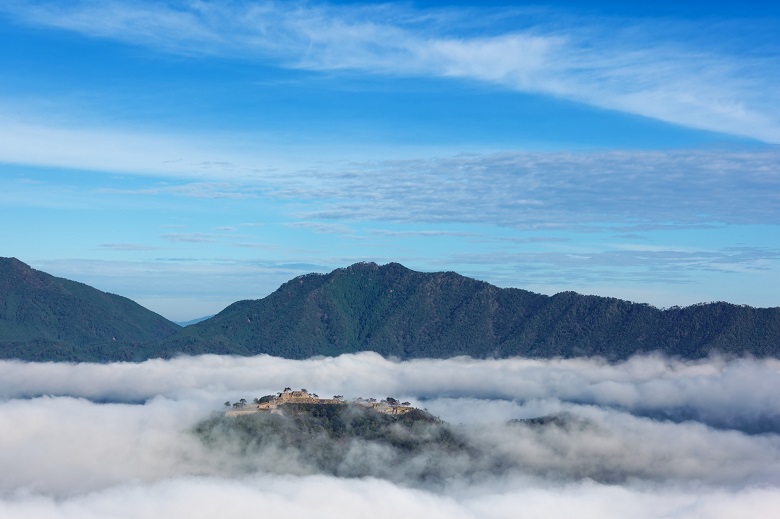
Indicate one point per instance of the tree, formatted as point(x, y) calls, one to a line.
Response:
point(242, 402)
point(391, 401)
point(228, 404)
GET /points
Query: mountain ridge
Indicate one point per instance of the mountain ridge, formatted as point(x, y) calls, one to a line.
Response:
point(401, 313)
point(43, 317)
point(388, 309)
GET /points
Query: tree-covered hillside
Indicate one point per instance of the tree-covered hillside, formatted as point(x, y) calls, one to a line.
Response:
point(388, 309)
point(47, 318)
point(399, 312)
point(342, 440)
point(415, 449)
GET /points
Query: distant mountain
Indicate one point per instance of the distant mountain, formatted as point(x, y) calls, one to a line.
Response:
point(398, 312)
point(193, 321)
point(47, 318)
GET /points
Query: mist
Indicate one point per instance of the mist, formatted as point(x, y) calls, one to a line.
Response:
point(649, 437)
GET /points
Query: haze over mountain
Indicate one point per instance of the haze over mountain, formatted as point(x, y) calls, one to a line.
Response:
point(43, 317)
point(193, 321)
point(388, 309)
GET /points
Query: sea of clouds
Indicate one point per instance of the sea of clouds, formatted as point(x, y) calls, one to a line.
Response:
point(649, 437)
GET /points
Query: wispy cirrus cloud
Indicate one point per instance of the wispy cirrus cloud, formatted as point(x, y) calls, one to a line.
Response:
point(423, 233)
point(627, 192)
point(632, 190)
point(652, 266)
point(124, 247)
point(652, 68)
point(106, 149)
point(193, 190)
point(324, 227)
point(195, 237)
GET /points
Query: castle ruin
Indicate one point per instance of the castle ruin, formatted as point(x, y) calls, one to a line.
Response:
point(275, 403)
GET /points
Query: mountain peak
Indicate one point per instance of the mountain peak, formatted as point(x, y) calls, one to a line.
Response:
point(389, 309)
point(363, 265)
point(402, 313)
point(13, 263)
point(14, 272)
point(370, 266)
point(43, 317)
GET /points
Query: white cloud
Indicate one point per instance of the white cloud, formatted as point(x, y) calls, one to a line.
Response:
point(205, 498)
point(26, 140)
point(725, 393)
point(67, 457)
point(553, 190)
point(651, 68)
point(127, 247)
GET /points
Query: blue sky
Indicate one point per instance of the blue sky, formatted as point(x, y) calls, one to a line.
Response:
point(191, 154)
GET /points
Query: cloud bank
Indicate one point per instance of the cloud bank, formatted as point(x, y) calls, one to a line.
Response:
point(116, 440)
point(716, 391)
point(297, 498)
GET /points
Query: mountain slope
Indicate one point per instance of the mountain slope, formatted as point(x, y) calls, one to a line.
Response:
point(43, 317)
point(398, 312)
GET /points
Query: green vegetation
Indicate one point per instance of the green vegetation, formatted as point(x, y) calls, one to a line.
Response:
point(388, 309)
point(412, 449)
point(45, 318)
point(345, 440)
point(397, 312)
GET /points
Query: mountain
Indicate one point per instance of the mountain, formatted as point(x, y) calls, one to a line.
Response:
point(193, 321)
point(47, 318)
point(388, 309)
point(398, 312)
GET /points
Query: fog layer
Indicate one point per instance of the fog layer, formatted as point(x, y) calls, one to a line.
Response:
point(650, 437)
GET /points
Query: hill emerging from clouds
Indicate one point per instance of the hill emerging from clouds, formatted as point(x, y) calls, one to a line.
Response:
point(398, 312)
point(46, 318)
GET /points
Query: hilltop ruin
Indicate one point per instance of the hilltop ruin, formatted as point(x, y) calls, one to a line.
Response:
point(302, 397)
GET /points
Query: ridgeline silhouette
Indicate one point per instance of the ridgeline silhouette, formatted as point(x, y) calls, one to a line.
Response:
point(388, 309)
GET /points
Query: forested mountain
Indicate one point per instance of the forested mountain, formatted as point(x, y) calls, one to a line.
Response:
point(43, 317)
point(388, 309)
point(399, 312)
